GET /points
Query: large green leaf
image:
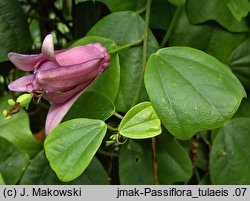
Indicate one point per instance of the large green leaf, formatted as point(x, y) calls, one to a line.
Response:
point(191, 90)
point(140, 122)
point(40, 173)
point(13, 161)
point(229, 159)
point(17, 130)
point(213, 40)
point(174, 164)
point(108, 82)
point(91, 104)
point(239, 61)
point(200, 11)
point(72, 145)
point(239, 8)
point(121, 5)
point(126, 27)
point(135, 163)
point(14, 30)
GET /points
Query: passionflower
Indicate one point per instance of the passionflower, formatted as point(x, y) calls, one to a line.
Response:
point(59, 76)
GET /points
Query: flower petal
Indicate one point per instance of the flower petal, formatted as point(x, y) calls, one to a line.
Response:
point(21, 84)
point(57, 97)
point(25, 62)
point(48, 48)
point(81, 54)
point(58, 79)
point(58, 110)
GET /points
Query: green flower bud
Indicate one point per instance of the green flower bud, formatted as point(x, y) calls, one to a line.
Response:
point(11, 102)
point(5, 113)
point(24, 100)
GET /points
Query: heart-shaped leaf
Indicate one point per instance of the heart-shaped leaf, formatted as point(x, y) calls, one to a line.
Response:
point(71, 146)
point(140, 122)
point(191, 90)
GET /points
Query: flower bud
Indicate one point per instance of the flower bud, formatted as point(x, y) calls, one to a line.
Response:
point(11, 102)
point(24, 100)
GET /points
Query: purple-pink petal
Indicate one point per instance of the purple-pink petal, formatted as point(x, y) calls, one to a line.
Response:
point(48, 48)
point(80, 54)
point(25, 62)
point(22, 84)
point(57, 79)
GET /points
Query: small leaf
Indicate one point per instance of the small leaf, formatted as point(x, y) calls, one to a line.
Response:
point(91, 104)
point(140, 122)
point(13, 162)
point(72, 145)
point(229, 158)
point(191, 90)
point(239, 8)
point(39, 172)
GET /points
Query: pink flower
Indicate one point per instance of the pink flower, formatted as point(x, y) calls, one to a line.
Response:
point(59, 76)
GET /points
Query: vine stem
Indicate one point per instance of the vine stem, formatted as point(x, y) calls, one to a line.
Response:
point(171, 27)
point(135, 43)
point(111, 128)
point(155, 163)
point(144, 52)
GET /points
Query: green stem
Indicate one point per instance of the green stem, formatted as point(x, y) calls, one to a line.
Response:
point(118, 115)
point(144, 53)
point(111, 128)
point(171, 27)
point(135, 43)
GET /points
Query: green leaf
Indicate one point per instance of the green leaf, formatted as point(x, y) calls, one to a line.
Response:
point(174, 164)
point(200, 11)
point(121, 5)
point(13, 161)
point(39, 172)
point(140, 122)
point(108, 82)
point(126, 27)
point(239, 8)
point(17, 130)
point(229, 159)
point(72, 145)
point(244, 109)
point(135, 163)
point(178, 2)
point(213, 40)
point(1, 179)
point(191, 90)
point(93, 105)
point(14, 30)
point(239, 62)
